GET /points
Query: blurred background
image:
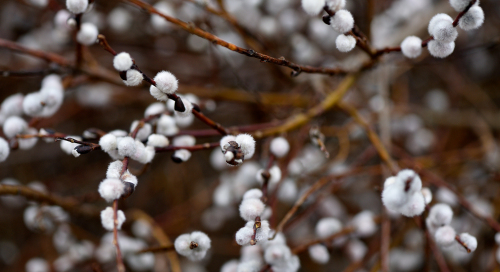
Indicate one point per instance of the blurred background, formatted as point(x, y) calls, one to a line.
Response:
point(441, 113)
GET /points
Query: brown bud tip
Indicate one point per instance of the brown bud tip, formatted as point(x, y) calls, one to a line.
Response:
point(176, 159)
point(193, 245)
point(196, 107)
point(128, 190)
point(327, 19)
point(123, 75)
point(179, 106)
point(83, 149)
point(253, 242)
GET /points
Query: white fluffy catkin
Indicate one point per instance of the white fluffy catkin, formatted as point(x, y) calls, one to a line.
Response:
point(342, 21)
point(166, 82)
point(77, 6)
point(345, 43)
point(411, 47)
point(313, 7)
point(474, 18)
point(439, 49)
point(122, 61)
point(87, 34)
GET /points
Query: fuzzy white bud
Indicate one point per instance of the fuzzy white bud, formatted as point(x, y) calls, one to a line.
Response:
point(166, 126)
point(68, 147)
point(445, 236)
point(327, 227)
point(474, 18)
point(335, 5)
point(279, 147)
point(426, 192)
point(37, 265)
point(14, 125)
point(114, 170)
point(156, 93)
point(126, 146)
point(77, 6)
point(108, 142)
point(122, 61)
point(166, 82)
point(444, 31)
point(185, 245)
point(439, 215)
point(111, 189)
point(411, 47)
point(345, 43)
point(440, 50)
point(182, 155)
point(469, 241)
point(364, 224)
point(252, 193)
point(436, 19)
point(107, 218)
point(251, 208)
point(188, 107)
point(319, 254)
point(87, 34)
point(134, 78)
point(4, 149)
point(313, 7)
point(460, 5)
point(157, 140)
point(342, 21)
point(247, 144)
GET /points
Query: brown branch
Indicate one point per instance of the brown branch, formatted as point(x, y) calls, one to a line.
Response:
point(104, 43)
point(301, 119)
point(342, 232)
point(457, 238)
point(50, 57)
point(68, 204)
point(461, 14)
point(426, 41)
point(79, 46)
point(247, 52)
point(119, 261)
point(372, 135)
point(316, 186)
point(159, 235)
point(438, 256)
point(218, 127)
point(439, 182)
point(189, 148)
point(157, 249)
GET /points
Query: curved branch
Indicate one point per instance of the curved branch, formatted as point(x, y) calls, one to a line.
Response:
point(68, 204)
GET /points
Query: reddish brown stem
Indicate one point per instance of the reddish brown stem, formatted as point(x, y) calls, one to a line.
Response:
point(189, 148)
point(119, 262)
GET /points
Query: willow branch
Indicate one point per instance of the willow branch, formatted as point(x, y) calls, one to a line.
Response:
point(372, 135)
point(69, 204)
point(50, 57)
point(189, 148)
point(297, 68)
point(345, 231)
point(315, 187)
point(303, 118)
point(119, 261)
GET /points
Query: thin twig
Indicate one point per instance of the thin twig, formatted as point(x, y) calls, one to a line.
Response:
point(345, 231)
point(247, 52)
point(69, 204)
point(301, 119)
point(189, 148)
point(316, 186)
point(375, 140)
point(119, 261)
